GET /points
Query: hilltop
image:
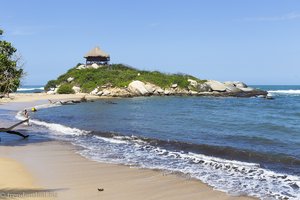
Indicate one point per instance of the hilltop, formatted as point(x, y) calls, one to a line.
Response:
point(125, 81)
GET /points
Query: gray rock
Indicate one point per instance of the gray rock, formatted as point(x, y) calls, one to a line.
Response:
point(248, 89)
point(95, 66)
point(138, 88)
point(99, 93)
point(193, 83)
point(167, 92)
point(150, 88)
point(229, 83)
point(193, 92)
point(174, 85)
point(76, 89)
point(106, 93)
point(230, 88)
point(203, 87)
point(160, 91)
point(70, 79)
point(81, 67)
point(94, 92)
point(239, 84)
point(216, 86)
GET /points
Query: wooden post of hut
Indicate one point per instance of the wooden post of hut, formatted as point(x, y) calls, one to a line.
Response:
point(96, 55)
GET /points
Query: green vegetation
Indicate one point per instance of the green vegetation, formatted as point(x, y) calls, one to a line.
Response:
point(10, 69)
point(65, 89)
point(118, 75)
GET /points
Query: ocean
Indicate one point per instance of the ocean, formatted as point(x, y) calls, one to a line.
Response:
point(31, 89)
point(242, 146)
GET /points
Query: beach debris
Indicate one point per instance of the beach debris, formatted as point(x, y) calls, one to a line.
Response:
point(100, 189)
point(9, 129)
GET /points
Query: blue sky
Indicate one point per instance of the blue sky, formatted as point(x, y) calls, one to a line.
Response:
point(255, 41)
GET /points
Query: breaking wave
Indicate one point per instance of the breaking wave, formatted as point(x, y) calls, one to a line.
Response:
point(285, 92)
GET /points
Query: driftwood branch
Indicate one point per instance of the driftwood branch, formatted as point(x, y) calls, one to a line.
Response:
point(9, 129)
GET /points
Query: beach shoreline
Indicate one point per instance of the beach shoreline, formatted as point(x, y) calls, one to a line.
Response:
point(57, 167)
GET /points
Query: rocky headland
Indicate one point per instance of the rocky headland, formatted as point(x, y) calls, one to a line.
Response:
point(124, 81)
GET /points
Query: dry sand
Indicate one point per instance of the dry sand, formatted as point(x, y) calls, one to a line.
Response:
point(57, 171)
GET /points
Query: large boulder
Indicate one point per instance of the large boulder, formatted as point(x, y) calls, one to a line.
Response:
point(193, 92)
point(150, 87)
point(158, 91)
point(167, 92)
point(138, 88)
point(229, 83)
point(203, 87)
point(95, 91)
point(76, 89)
point(239, 84)
point(230, 88)
point(119, 92)
point(193, 83)
point(216, 86)
point(106, 92)
point(248, 89)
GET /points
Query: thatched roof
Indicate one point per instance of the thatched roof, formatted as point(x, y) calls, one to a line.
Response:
point(96, 52)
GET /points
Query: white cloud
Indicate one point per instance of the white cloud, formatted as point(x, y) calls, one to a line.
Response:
point(285, 17)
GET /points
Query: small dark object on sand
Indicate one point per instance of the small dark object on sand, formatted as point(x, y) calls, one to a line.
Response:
point(100, 189)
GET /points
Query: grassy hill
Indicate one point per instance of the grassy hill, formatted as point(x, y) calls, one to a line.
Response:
point(118, 75)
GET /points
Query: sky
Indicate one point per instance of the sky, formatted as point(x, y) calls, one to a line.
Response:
point(254, 41)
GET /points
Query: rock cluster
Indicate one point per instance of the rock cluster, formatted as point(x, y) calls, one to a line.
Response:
point(208, 88)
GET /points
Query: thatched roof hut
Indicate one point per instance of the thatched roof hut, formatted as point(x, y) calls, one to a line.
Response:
point(96, 55)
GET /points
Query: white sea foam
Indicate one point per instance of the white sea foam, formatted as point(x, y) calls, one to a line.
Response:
point(112, 140)
point(57, 129)
point(28, 89)
point(285, 92)
point(234, 177)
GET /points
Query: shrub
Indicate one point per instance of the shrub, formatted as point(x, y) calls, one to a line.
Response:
point(119, 75)
point(65, 89)
point(50, 84)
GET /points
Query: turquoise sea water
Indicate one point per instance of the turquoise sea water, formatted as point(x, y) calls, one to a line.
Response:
point(239, 145)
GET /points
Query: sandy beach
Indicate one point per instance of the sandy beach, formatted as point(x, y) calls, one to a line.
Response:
point(53, 170)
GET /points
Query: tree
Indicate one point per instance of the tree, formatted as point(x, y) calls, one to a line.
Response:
point(11, 70)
